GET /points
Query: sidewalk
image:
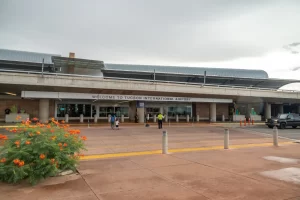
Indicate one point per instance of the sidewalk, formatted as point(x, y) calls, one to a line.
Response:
point(222, 174)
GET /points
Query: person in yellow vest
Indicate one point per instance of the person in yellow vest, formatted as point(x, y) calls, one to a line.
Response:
point(160, 118)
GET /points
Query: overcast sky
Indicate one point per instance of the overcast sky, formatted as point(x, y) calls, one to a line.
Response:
point(254, 34)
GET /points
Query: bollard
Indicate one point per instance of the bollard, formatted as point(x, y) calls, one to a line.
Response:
point(122, 118)
point(275, 136)
point(249, 121)
point(198, 118)
point(223, 118)
point(154, 118)
point(67, 118)
point(226, 138)
point(245, 123)
point(95, 118)
point(166, 118)
point(177, 119)
point(240, 122)
point(165, 143)
point(108, 118)
point(252, 122)
point(187, 118)
point(88, 123)
point(148, 117)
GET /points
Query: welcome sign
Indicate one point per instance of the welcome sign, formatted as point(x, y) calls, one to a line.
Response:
point(117, 97)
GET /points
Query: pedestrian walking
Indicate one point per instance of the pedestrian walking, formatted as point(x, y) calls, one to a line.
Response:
point(112, 121)
point(117, 123)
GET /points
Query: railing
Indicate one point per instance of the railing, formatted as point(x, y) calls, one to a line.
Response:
point(149, 81)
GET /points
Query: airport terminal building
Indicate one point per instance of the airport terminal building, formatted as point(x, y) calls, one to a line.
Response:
point(45, 85)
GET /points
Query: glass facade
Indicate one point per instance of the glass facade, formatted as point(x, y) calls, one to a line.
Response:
point(181, 111)
point(74, 110)
point(105, 111)
point(121, 111)
point(152, 111)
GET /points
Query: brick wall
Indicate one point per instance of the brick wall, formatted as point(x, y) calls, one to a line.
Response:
point(222, 108)
point(202, 109)
point(30, 106)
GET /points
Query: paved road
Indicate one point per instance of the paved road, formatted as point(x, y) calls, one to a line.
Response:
point(288, 133)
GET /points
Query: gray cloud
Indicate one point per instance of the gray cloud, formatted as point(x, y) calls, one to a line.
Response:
point(168, 30)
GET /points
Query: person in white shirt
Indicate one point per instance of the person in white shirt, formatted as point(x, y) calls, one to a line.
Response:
point(117, 123)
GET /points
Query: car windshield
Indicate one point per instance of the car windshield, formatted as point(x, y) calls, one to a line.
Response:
point(282, 116)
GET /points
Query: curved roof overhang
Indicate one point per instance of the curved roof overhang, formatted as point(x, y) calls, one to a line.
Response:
point(199, 78)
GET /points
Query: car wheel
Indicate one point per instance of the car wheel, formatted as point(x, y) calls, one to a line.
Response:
point(282, 125)
point(294, 126)
point(270, 126)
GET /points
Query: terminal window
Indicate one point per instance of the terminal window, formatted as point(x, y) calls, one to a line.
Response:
point(181, 111)
point(74, 110)
point(152, 111)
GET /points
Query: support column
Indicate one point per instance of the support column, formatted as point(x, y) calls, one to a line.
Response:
point(44, 110)
point(280, 109)
point(267, 111)
point(97, 107)
point(141, 114)
point(213, 112)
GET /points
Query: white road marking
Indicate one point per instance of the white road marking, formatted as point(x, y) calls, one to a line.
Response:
point(282, 159)
point(291, 174)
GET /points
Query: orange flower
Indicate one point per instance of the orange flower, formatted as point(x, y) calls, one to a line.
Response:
point(16, 161)
point(35, 119)
point(17, 143)
point(27, 142)
point(3, 137)
point(38, 132)
point(21, 163)
point(3, 160)
point(52, 160)
point(48, 126)
point(65, 144)
point(52, 130)
point(60, 144)
point(42, 156)
point(53, 137)
point(73, 132)
point(18, 117)
point(84, 138)
point(30, 134)
point(66, 135)
point(62, 122)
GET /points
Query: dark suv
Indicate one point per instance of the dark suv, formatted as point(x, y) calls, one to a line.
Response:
point(284, 120)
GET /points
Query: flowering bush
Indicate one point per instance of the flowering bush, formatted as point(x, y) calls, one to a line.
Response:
point(39, 151)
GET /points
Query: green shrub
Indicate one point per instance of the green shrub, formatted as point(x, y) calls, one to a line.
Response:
point(39, 151)
point(14, 109)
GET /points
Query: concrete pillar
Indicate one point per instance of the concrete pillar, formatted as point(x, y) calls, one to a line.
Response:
point(122, 118)
point(67, 118)
point(97, 110)
point(280, 109)
point(213, 112)
point(132, 110)
point(267, 110)
point(81, 118)
point(141, 114)
point(161, 110)
point(177, 118)
point(187, 118)
point(198, 118)
point(154, 118)
point(95, 118)
point(44, 110)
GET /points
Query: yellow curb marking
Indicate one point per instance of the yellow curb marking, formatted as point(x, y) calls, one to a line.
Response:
point(116, 155)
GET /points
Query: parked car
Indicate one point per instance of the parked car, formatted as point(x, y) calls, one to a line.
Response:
point(284, 120)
